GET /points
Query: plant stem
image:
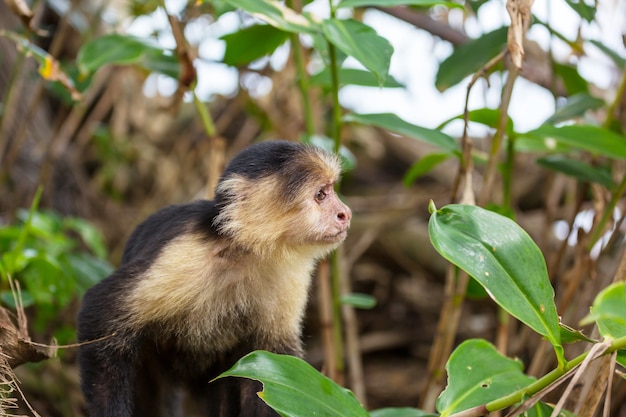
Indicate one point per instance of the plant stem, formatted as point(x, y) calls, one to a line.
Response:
point(205, 116)
point(303, 79)
point(547, 379)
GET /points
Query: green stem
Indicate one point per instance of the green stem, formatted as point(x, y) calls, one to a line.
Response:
point(205, 116)
point(303, 80)
point(549, 378)
point(335, 275)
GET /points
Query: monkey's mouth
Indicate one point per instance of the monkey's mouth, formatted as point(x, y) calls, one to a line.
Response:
point(337, 237)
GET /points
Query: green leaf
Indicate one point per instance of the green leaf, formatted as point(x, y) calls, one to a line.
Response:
point(400, 412)
point(584, 10)
point(477, 374)
point(576, 106)
point(470, 57)
point(501, 256)
point(424, 165)
point(578, 169)
point(278, 15)
point(574, 83)
point(393, 123)
point(617, 59)
point(544, 410)
point(609, 311)
point(353, 76)
point(127, 50)
point(361, 42)
point(358, 300)
point(89, 234)
point(485, 116)
point(294, 388)
point(254, 42)
point(569, 335)
point(392, 3)
point(87, 270)
point(589, 138)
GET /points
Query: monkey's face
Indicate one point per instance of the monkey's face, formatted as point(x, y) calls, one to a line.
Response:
point(334, 215)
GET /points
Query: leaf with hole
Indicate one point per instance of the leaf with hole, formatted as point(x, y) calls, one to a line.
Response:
point(501, 256)
point(477, 374)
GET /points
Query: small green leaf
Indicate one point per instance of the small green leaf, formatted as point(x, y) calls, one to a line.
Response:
point(361, 42)
point(243, 46)
point(126, 50)
point(584, 10)
point(477, 374)
point(353, 76)
point(576, 106)
point(487, 117)
point(501, 256)
point(358, 300)
point(578, 169)
point(609, 311)
point(400, 412)
point(470, 57)
point(424, 165)
point(395, 124)
point(293, 388)
point(392, 3)
point(569, 335)
point(544, 410)
point(89, 234)
point(277, 14)
point(574, 82)
point(589, 138)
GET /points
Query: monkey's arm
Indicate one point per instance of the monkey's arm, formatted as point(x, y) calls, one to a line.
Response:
point(108, 360)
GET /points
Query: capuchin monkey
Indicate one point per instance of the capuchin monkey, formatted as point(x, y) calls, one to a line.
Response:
point(202, 284)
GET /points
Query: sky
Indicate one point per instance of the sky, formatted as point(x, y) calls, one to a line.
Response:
point(415, 62)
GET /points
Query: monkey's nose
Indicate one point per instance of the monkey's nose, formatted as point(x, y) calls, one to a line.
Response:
point(345, 215)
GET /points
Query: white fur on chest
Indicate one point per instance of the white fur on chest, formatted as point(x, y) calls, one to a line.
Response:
point(208, 298)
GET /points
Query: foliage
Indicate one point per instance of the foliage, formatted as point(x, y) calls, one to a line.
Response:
point(55, 259)
point(582, 141)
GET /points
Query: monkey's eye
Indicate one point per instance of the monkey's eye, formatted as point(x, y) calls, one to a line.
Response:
point(321, 195)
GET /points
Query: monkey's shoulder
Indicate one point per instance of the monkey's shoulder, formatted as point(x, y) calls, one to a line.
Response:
point(160, 228)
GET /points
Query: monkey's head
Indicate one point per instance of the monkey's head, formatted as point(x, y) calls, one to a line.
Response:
point(280, 194)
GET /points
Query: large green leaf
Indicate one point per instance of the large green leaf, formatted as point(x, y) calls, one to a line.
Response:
point(392, 3)
point(353, 76)
point(578, 169)
point(294, 388)
point(253, 42)
point(395, 124)
point(277, 14)
point(477, 374)
point(590, 138)
point(126, 50)
point(361, 42)
point(576, 106)
point(468, 58)
point(609, 311)
point(501, 256)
